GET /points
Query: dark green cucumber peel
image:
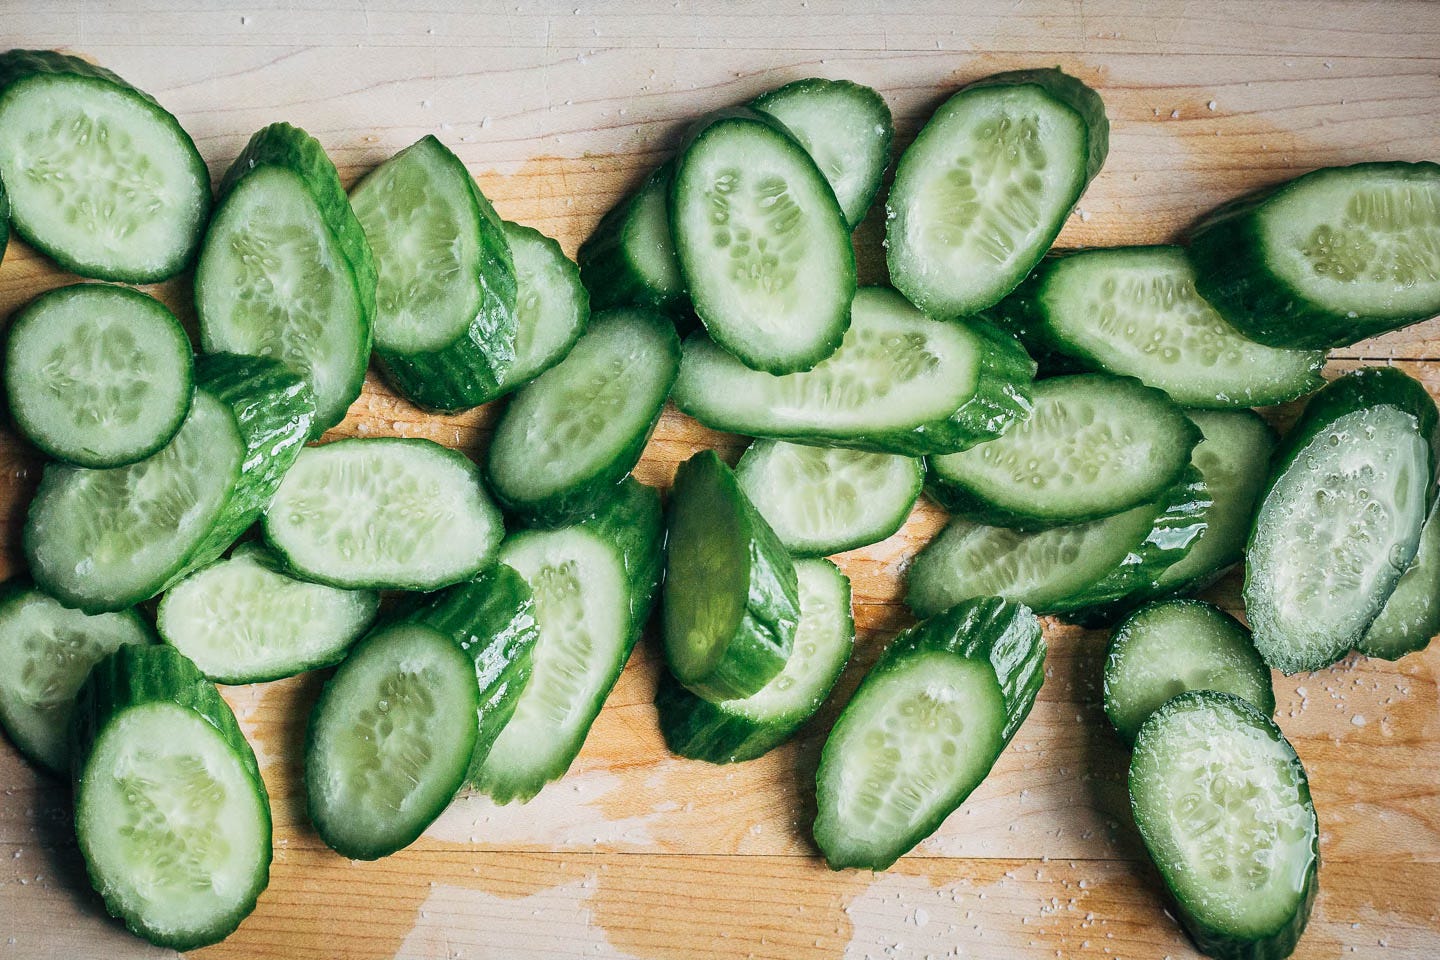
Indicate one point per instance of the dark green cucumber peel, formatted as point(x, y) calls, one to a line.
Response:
point(611, 264)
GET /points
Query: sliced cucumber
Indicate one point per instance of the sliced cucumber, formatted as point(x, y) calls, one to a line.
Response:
point(100, 177)
point(1224, 808)
point(986, 186)
point(242, 620)
point(1340, 518)
point(1326, 259)
point(846, 129)
point(630, 258)
point(924, 728)
point(551, 306)
point(762, 243)
point(1411, 617)
point(98, 376)
point(171, 814)
point(731, 731)
point(569, 437)
point(1166, 648)
point(107, 539)
point(286, 272)
point(826, 500)
point(383, 513)
point(594, 586)
point(1134, 311)
point(48, 651)
point(900, 383)
point(730, 606)
point(1093, 446)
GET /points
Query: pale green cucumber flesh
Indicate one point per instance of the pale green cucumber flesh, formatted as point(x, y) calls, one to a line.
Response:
point(649, 248)
point(1411, 616)
point(551, 305)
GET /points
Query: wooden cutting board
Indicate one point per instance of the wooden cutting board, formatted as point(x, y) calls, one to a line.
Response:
point(558, 109)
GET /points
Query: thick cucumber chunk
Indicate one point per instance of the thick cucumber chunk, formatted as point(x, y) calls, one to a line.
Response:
point(1224, 808)
point(924, 728)
point(986, 186)
point(1134, 311)
point(846, 129)
point(762, 243)
point(98, 376)
point(1340, 518)
point(826, 500)
point(731, 604)
point(48, 651)
point(1166, 648)
point(551, 305)
point(900, 383)
point(630, 258)
point(242, 620)
point(383, 513)
point(100, 177)
point(731, 731)
point(1411, 617)
point(569, 437)
point(170, 811)
point(1327, 259)
point(107, 539)
point(286, 272)
point(1093, 446)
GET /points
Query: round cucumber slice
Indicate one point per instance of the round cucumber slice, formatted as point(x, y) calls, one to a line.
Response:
point(551, 305)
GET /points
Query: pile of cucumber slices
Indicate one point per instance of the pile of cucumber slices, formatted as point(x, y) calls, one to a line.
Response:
point(1085, 417)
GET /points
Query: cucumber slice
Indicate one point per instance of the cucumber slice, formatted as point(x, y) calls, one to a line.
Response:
point(100, 177)
point(1411, 617)
point(1134, 311)
point(242, 620)
point(630, 258)
point(98, 376)
point(1340, 518)
point(48, 650)
point(924, 728)
point(551, 306)
point(594, 585)
point(1093, 446)
point(285, 270)
point(846, 129)
point(569, 437)
point(105, 540)
point(900, 383)
point(986, 186)
point(445, 324)
point(826, 500)
point(732, 731)
point(1166, 648)
point(170, 812)
point(1224, 808)
point(730, 606)
point(1326, 259)
point(383, 513)
point(762, 243)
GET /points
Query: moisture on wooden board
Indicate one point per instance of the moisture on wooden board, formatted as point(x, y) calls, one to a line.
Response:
point(558, 110)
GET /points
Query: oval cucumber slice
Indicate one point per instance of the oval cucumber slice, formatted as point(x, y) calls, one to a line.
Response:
point(1411, 616)
point(630, 258)
point(551, 306)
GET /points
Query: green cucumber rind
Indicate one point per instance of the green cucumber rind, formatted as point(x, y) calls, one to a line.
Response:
point(136, 675)
point(607, 268)
point(581, 298)
point(1392, 635)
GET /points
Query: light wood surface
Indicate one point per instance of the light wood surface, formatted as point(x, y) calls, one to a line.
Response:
point(558, 109)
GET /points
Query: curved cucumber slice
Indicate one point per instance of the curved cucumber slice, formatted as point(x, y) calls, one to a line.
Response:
point(924, 728)
point(1326, 259)
point(100, 177)
point(730, 606)
point(1224, 808)
point(1093, 446)
point(98, 376)
point(242, 620)
point(826, 500)
point(900, 383)
point(566, 439)
point(383, 513)
point(285, 271)
point(731, 731)
point(1166, 648)
point(763, 245)
point(107, 539)
point(846, 129)
point(986, 186)
point(551, 306)
point(170, 811)
point(1411, 616)
point(630, 258)
point(48, 650)
point(1340, 518)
